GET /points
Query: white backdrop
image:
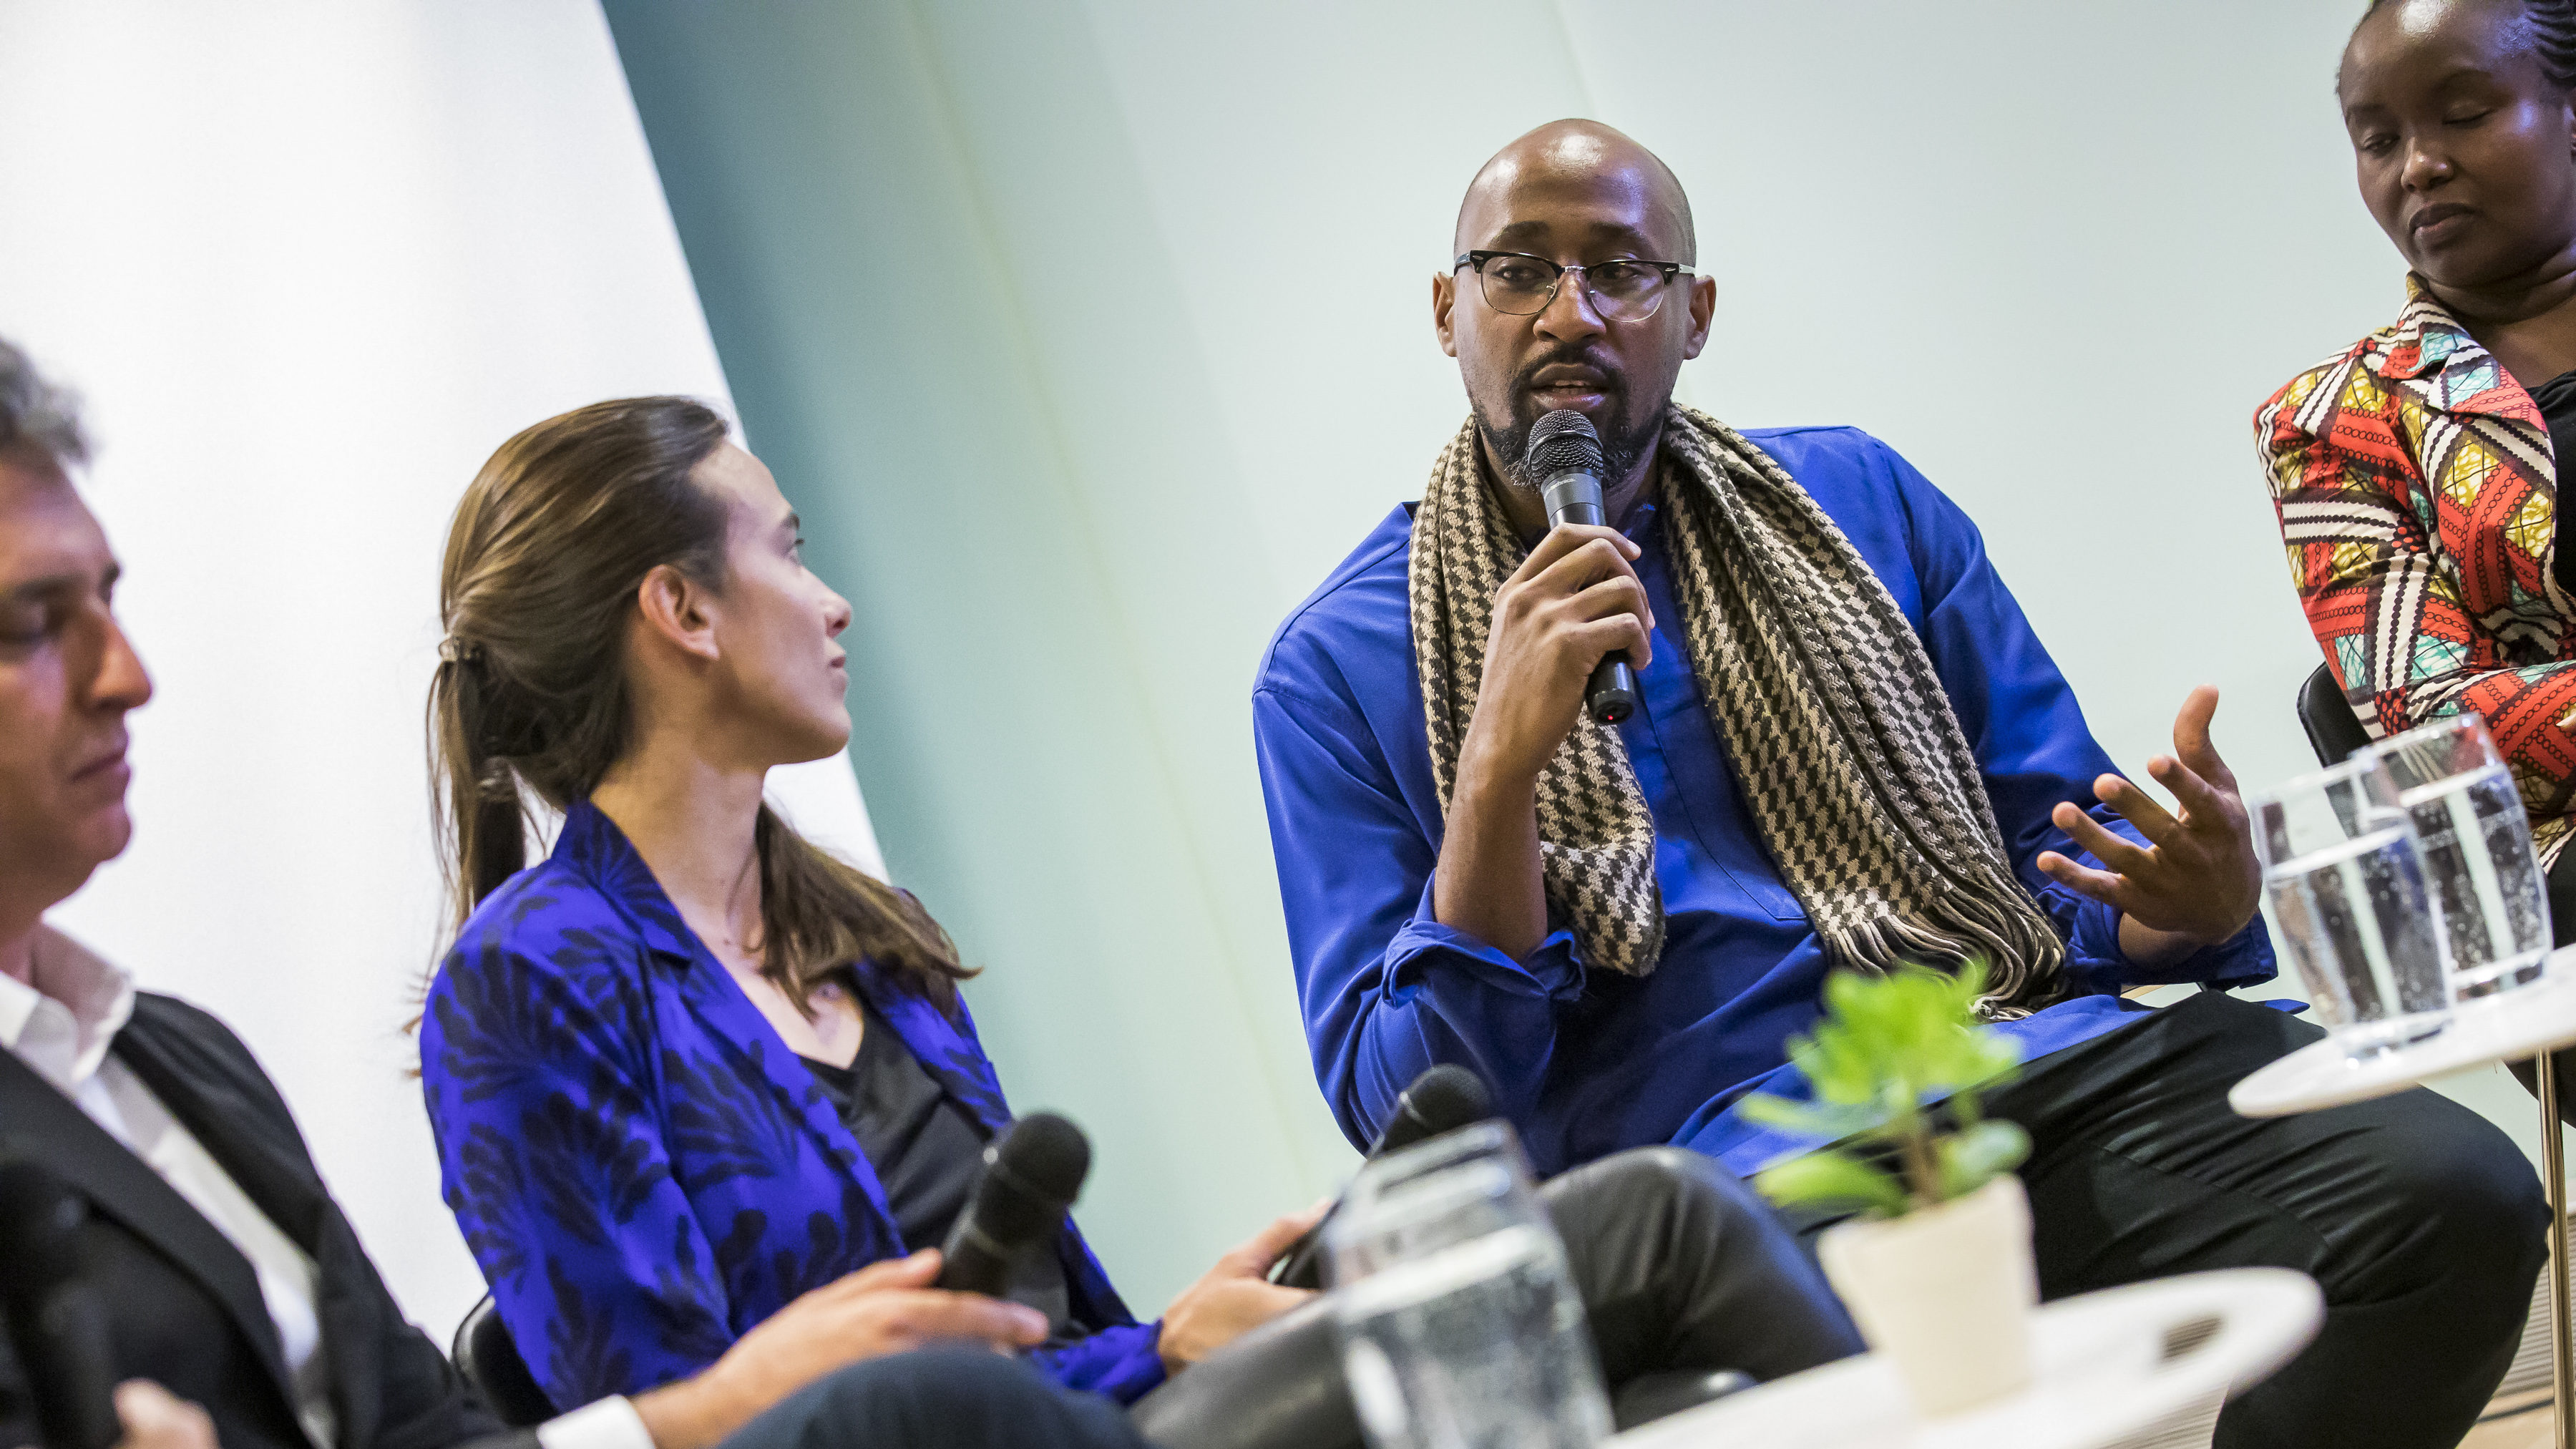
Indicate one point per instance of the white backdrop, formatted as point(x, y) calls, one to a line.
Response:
point(311, 263)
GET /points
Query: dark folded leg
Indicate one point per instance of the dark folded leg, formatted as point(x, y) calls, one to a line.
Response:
point(939, 1398)
point(2420, 1221)
point(1681, 1268)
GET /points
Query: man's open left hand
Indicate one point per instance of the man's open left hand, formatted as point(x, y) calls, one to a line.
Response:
point(2196, 882)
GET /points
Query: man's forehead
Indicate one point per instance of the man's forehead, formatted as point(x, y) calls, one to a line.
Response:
point(1573, 189)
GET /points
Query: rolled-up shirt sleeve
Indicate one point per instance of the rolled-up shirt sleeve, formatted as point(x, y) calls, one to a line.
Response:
point(1386, 990)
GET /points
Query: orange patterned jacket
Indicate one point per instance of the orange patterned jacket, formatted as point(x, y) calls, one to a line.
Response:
point(2417, 495)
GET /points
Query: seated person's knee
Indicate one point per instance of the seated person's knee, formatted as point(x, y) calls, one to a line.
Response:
point(1648, 1179)
point(959, 1395)
point(2456, 1203)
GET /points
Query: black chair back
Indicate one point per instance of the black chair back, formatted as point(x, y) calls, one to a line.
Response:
point(492, 1367)
point(2334, 731)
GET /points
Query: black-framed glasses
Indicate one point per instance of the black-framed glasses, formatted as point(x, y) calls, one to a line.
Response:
point(1623, 289)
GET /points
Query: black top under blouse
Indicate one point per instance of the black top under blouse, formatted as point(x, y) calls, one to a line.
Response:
point(2557, 400)
point(926, 1151)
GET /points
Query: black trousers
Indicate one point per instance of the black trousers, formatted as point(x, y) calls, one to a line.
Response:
point(1683, 1272)
point(2423, 1224)
point(939, 1398)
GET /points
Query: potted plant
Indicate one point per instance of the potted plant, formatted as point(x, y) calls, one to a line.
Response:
point(1937, 1268)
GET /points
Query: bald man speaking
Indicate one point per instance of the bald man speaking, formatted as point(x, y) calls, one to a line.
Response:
point(1849, 750)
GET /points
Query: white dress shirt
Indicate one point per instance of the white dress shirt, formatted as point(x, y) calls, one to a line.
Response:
point(61, 1028)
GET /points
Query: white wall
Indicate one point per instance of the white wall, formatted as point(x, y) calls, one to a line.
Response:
point(311, 263)
point(2056, 253)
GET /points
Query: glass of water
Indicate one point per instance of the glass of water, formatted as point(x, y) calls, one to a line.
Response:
point(2344, 880)
point(2476, 839)
point(1459, 1322)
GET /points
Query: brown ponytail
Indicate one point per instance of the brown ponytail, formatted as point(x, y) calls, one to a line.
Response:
point(548, 548)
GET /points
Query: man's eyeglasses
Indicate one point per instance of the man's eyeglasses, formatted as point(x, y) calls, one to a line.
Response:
point(1622, 290)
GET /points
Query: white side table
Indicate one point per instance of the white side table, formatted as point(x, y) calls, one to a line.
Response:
point(2103, 1366)
point(2532, 1021)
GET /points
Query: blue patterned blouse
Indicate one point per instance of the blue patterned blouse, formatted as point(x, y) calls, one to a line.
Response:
point(642, 1167)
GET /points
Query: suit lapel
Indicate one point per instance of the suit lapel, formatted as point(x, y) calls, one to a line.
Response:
point(350, 1313)
point(201, 1090)
point(44, 1124)
point(239, 1124)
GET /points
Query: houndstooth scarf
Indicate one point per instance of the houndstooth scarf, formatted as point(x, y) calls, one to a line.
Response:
point(1840, 735)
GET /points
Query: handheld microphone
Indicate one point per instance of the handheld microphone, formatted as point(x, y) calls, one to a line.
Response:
point(1565, 457)
point(1443, 1099)
point(1030, 1180)
point(57, 1323)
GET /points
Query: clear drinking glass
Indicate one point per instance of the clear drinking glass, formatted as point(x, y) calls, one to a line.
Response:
point(1459, 1322)
point(2344, 880)
point(2476, 840)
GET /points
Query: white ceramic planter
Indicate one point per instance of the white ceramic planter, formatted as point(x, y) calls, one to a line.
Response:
point(1946, 1292)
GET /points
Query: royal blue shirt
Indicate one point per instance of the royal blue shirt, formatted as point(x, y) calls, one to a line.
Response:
point(1586, 1062)
point(642, 1167)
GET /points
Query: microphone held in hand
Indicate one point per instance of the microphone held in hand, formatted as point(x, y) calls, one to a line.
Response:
point(1565, 457)
point(1030, 1180)
point(1443, 1099)
point(57, 1322)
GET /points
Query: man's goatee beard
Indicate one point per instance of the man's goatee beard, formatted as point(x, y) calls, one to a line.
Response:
point(1619, 452)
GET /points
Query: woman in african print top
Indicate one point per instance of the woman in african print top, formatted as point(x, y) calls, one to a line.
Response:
point(2415, 472)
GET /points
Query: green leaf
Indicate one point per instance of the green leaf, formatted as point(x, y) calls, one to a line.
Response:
point(1827, 1121)
point(1978, 1155)
point(1831, 1179)
point(1885, 1047)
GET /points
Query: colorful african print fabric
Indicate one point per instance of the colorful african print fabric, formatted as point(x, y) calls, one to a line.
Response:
point(2417, 493)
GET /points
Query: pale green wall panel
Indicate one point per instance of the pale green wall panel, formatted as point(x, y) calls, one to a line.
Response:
point(1008, 294)
point(1014, 696)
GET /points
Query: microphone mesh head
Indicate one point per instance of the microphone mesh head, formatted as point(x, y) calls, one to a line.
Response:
point(1450, 1096)
point(1048, 1153)
point(1562, 442)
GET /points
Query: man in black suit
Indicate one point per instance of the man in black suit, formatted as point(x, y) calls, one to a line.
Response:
point(230, 1277)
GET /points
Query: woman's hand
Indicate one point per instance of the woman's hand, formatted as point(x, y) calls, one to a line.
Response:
point(1231, 1299)
point(883, 1308)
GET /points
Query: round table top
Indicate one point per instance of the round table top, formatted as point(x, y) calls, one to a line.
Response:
point(2103, 1366)
point(2504, 1027)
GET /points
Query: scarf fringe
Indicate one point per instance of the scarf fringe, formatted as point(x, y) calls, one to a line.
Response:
point(1952, 931)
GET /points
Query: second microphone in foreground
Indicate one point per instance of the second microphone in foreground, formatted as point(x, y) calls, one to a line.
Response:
point(1018, 1205)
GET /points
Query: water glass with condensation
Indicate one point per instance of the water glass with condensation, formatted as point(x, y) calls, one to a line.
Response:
point(2345, 884)
point(1460, 1324)
point(2476, 840)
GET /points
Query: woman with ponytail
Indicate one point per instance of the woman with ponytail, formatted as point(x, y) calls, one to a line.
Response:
point(2416, 471)
point(689, 1066)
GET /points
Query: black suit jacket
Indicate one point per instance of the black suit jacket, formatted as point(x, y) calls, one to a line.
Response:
point(185, 1304)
